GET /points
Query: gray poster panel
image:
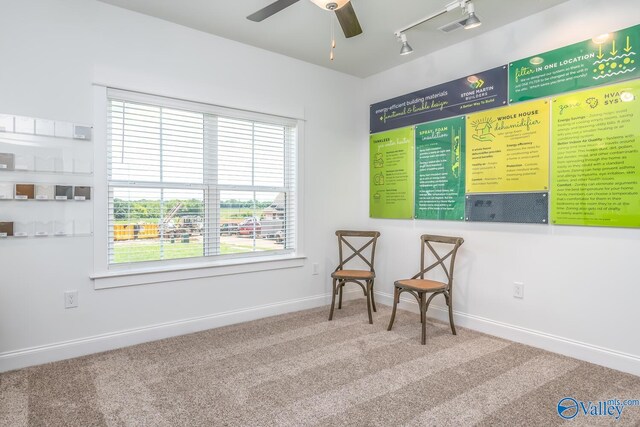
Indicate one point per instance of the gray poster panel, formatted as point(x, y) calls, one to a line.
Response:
point(477, 92)
point(522, 208)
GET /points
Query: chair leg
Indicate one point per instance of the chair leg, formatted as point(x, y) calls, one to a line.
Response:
point(450, 304)
point(340, 286)
point(333, 300)
point(420, 303)
point(373, 301)
point(423, 315)
point(396, 297)
point(368, 296)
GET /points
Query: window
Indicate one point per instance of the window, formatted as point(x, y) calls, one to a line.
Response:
point(189, 180)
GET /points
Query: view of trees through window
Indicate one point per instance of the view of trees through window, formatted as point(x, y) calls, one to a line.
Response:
point(150, 229)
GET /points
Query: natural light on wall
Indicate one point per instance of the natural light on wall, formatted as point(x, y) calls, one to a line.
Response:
point(185, 184)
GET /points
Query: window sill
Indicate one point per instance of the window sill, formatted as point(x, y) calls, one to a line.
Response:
point(117, 279)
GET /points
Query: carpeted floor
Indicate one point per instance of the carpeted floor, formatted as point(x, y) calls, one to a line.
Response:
point(299, 369)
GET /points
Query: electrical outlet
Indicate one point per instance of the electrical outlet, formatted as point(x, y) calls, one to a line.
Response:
point(315, 269)
point(70, 299)
point(518, 290)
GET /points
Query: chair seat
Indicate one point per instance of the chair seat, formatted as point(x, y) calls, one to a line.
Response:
point(421, 285)
point(353, 274)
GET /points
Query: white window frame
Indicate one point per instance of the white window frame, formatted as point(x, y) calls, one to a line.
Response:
point(117, 275)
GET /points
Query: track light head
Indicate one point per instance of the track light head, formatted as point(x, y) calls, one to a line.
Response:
point(406, 48)
point(472, 21)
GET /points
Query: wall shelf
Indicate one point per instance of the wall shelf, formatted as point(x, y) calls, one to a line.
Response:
point(45, 161)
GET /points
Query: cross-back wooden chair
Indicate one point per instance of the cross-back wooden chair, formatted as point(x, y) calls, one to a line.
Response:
point(419, 287)
point(341, 275)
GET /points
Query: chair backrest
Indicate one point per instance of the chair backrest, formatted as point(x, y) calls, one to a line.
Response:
point(355, 243)
point(440, 259)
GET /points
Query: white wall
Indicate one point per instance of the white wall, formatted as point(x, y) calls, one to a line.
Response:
point(581, 284)
point(52, 51)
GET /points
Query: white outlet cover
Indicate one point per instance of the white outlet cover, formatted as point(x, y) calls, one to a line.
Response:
point(518, 290)
point(70, 299)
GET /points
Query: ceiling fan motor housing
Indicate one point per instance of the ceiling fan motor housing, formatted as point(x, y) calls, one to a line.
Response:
point(342, 8)
point(330, 5)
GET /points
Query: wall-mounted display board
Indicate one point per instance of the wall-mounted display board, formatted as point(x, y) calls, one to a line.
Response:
point(440, 169)
point(508, 149)
point(500, 159)
point(523, 208)
point(391, 174)
point(476, 92)
point(45, 167)
point(596, 157)
point(602, 60)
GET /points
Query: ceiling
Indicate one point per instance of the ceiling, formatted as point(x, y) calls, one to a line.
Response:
point(302, 30)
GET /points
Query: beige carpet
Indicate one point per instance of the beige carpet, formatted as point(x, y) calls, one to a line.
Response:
point(299, 369)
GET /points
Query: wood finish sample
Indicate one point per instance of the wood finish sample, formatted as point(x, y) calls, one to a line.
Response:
point(25, 191)
point(6, 228)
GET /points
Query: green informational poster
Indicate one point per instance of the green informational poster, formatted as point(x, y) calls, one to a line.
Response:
point(595, 171)
point(440, 150)
point(391, 174)
point(602, 60)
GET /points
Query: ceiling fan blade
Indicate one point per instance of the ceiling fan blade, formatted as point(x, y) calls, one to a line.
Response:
point(348, 20)
point(272, 9)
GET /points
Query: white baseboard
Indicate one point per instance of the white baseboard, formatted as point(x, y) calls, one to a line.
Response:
point(80, 347)
point(565, 346)
point(95, 344)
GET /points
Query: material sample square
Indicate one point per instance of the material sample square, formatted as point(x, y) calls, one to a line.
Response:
point(6, 191)
point(82, 193)
point(82, 132)
point(64, 192)
point(25, 191)
point(7, 161)
point(6, 229)
point(45, 192)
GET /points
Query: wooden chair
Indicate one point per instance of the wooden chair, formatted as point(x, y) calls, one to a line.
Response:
point(352, 242)
point(419, 287)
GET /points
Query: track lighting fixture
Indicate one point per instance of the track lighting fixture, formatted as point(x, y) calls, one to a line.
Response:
point(467, 6)
point(405, 49)
point(472, 21)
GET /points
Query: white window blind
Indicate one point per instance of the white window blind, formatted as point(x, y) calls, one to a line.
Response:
point(187, 182)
